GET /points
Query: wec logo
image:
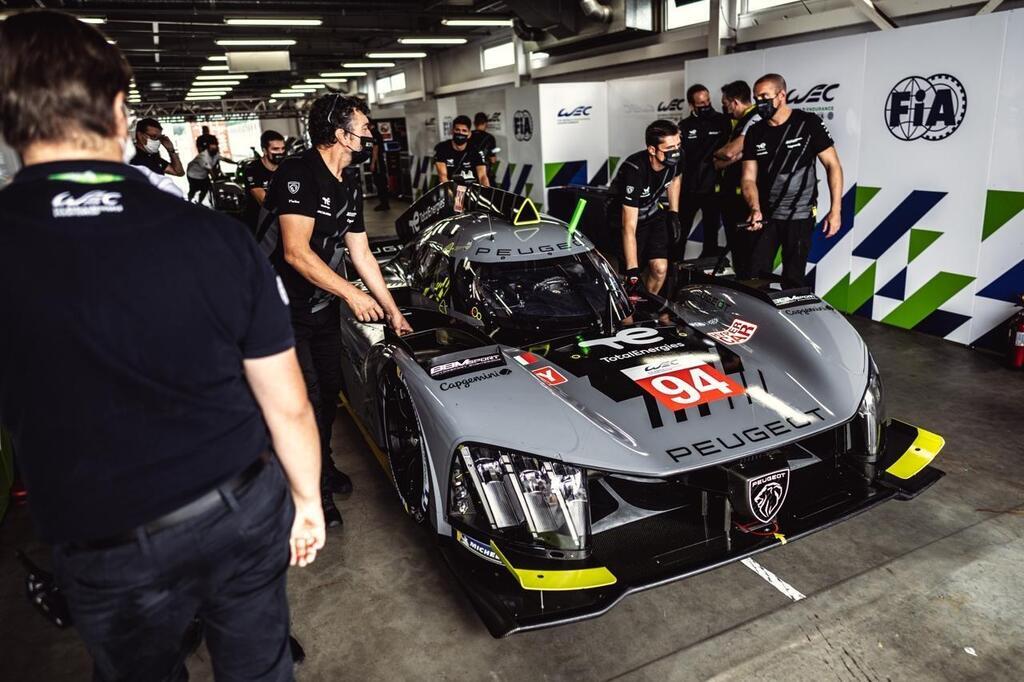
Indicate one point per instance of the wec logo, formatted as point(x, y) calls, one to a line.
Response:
point(582, 111)
point(819, 93)
point(672, 105)
point(92, 203)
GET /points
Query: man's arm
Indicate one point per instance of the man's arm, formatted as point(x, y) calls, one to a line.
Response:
point(674, 189)
point(280, 391)
point(729, 153)
point(629, 220)
point(369, 272)
point(834, 173)
point(442, 171)
point(259, 194)
point(750, 194)
point(481, 176)
point(175, 168)
point(296, 231)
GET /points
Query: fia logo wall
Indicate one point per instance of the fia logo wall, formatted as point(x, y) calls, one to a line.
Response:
point(522, 125)
point(929, 108)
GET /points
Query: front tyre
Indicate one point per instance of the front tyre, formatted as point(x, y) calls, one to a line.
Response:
point(403, 438)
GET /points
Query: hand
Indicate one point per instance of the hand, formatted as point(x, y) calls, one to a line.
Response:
point(756, 220)
point(398, 323)
point(364, 307)
point(166, 142)
point(674, 226)
point(634, 285)
point(833, 221)
point(308, 531)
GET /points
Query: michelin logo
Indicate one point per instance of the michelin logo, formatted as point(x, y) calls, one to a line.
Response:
point(88, 205)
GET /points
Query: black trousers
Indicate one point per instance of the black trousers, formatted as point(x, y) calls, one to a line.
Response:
point(710, 208)
point(200, 187)
point(741, 241)
point(794, 236)
point(133, 603)
point(318, 345)
point(380, 182)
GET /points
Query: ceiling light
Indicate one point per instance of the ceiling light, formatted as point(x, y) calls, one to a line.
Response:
point(255, 41)
point(396, 55)
point(539, 55)
point(432, 41)
point(111, 42)
point(368, 65)
point(271, 100)
point(291, 93)
point(342, 74)
point(209, 91)
point(201, 98)
point(305, 87)
point(327, 80)
point(476, 22)
point(236, 76)
point(217, 58)
point(92, 20)
point(156, 85)
point(273, 22)
point(215, 67)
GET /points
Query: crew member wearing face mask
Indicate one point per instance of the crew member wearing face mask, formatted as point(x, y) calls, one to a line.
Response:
point(312, 213)
point(644, 182)
point(780, 182)
point(149, 138)
point(703, 132)
point(456, 159)
point(257, 175)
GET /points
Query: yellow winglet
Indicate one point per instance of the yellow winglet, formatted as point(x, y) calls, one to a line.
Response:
point(526, 216)
point(919, 455)
point(536, 579)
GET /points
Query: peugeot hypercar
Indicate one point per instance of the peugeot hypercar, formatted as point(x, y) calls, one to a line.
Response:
point(568, 445)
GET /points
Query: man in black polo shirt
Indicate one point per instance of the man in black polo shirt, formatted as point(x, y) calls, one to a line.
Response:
point(702, 132)
point(485, 142)
point(149, 138)
point(644, 180)
point(780, 183)
point(315, 209)
point(457, 159)
point(146, 369)
point(729, 160)
point(257, 175)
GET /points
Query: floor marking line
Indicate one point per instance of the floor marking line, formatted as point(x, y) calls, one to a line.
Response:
point(774, 580)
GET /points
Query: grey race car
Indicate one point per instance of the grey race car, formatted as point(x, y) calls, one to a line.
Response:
point(569, 446)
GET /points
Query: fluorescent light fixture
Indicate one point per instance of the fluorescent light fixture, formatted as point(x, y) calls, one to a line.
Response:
point(476, 22)
point(217, 58)
point(226, 76)
point(201, 98)
point(255, 41)
point(432, 41)
point(215, 84)
point(305, 87)
point(290, 93)
point(92, 20)
point(283, 21)
point(214, 67)
point(396, 55)
point(209, 91)
point(342, 74)
point(327, 81)
point(111, 42)
point(271, 100)
point(368, 65)
point(539, 55)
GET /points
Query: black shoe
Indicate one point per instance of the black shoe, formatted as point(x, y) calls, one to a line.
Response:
point(332, 517)
point(298, 653)
point(336, 481)
point(382, 207)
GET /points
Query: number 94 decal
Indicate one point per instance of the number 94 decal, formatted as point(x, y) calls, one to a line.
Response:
point(684, 382)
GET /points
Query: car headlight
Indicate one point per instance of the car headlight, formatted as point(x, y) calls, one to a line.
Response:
point(872, 412)
point(524, 498)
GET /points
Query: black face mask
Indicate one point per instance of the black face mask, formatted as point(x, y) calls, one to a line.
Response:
point(672, 158)
point(366, 149)
point(460, 138)
point(702, 111)
point(766, 108)
point(277, 158)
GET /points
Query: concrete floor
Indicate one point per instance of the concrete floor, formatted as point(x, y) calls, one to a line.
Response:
point(898, 593)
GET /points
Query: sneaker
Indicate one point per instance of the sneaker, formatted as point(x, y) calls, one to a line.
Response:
point(336, 481)
point(332, 517)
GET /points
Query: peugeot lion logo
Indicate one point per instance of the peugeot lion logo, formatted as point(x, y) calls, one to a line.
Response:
point(766, 493)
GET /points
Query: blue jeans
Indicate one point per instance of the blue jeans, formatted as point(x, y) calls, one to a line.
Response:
point(133, 603)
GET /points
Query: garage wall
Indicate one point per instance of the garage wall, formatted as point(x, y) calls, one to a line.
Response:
point(933, 230)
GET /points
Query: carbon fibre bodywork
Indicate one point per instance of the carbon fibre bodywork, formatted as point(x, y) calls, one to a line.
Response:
point(664, 415)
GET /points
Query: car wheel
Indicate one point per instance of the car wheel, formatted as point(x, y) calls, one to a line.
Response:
point(403, 437)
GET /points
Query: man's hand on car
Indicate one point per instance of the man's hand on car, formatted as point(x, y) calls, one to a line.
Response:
point(364, 306)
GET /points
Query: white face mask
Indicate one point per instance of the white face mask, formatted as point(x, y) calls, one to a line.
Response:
point(152, 146)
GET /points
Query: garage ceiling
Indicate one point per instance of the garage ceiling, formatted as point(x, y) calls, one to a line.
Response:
point(168, 42)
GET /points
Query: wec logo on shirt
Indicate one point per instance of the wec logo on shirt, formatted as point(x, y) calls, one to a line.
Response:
point(89, 204)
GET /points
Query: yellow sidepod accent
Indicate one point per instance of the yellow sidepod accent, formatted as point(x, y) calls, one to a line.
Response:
point(919, 455)
point(381, 457)
point(537, 579)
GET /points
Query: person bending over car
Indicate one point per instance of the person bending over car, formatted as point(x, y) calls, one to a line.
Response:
point(644, 181)
point(312, 213)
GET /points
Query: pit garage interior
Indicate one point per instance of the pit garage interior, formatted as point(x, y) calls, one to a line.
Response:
point(928, 268)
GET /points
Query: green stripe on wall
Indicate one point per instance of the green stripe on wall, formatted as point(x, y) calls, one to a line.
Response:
point(927, 299)
point(861, 290)
point(1000, 207)
point(838, 295)
point(863, 196)
point(550, 170)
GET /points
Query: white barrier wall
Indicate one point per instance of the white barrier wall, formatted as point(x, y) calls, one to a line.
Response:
point(574, 117)
point(927, 122)
point(633, 103)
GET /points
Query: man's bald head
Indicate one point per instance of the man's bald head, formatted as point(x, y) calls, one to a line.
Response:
point(774, 79)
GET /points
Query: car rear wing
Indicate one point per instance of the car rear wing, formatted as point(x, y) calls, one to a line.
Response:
point(449, 199)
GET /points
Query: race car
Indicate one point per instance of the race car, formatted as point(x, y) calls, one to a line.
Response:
point(568, 445)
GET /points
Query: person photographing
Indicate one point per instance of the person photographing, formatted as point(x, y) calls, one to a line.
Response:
point(780, 183)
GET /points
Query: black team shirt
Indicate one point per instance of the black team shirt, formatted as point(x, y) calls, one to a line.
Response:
point(701, 137)
point(729, 184)
point(257, 176)
point(787, 156)
point(127, 313)
point(460, 164)
point(153, 162)
point(637, 184)
point(303, 185)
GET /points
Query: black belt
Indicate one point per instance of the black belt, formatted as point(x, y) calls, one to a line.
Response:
point(191, 510)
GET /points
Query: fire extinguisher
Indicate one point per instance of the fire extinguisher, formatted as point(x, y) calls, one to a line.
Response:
point(1015, 339)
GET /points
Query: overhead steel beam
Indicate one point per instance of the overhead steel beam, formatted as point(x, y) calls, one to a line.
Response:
point(721, 24)
point(868, 9)
point(990, 6)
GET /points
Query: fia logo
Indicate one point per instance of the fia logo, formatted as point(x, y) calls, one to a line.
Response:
point(929, 108)
point(522, 125)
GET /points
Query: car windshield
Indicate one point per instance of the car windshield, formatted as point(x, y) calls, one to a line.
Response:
point(570, 292)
